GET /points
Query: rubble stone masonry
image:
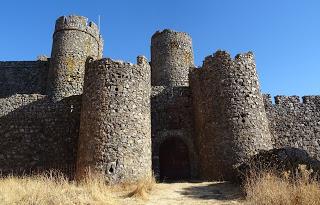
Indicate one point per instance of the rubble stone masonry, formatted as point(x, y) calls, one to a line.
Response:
point(76, 111)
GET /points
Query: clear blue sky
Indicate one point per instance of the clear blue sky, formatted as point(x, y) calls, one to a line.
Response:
point(284, 35)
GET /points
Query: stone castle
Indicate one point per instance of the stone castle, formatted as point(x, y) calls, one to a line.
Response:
point(77, 111)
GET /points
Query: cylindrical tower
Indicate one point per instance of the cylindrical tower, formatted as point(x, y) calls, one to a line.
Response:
point(171, 58)
point(74, 40)
point(231, 120)
point(115, 128)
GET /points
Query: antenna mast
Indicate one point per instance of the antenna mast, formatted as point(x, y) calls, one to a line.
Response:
point(99, 22)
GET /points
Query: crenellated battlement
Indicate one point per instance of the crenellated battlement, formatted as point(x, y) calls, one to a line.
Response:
point(122, 70)
point(79, 23)
point(234, 72)
point(224, 57)
point(241, 64)
point(267, 99)
point(163, 34)
point(286, 100)
point(282, 100)
point(311, 99)
point(218, 56)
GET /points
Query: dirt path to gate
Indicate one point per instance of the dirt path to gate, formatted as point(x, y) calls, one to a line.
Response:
point(212, 193)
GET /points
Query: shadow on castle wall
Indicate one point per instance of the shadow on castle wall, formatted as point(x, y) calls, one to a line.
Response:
point(23, 77)
point(38, 134)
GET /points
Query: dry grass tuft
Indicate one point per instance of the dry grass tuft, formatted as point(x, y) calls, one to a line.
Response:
point(143, 188)
point(45, 190)
point(53, 188)
point(289, 189)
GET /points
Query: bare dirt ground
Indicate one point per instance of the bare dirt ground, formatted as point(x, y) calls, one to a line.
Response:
point(189, 193)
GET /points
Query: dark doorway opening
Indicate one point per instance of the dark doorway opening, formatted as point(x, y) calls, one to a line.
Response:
point(174, 160)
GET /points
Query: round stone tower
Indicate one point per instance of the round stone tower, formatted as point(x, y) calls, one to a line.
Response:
point(74, 40)
point(115, 128)
point(171, 58)
point(231, 122)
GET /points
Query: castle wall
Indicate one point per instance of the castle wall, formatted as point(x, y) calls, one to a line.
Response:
point(294, 123)
point(222, 118)
point(171, 58)
point(74, 40)
point(37, 134)
point(231, 122)
point(23, 77)
point(172, 116)
point(115, 130)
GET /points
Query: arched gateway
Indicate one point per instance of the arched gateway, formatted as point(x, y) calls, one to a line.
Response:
point(174, 160)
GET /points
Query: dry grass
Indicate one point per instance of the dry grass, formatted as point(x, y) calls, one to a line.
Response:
point(143, 188)
point(54, 189)
point(290, 189)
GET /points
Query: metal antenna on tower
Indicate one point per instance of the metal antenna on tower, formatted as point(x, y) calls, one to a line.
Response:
point(99, 22)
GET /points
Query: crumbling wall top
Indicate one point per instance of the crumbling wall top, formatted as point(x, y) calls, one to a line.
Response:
point(224, 56)
point(80, 23)
point(169, 32)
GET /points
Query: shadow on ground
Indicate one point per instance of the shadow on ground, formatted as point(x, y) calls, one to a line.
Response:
point(215, 190)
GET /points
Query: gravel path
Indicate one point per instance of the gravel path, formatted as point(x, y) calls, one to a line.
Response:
point(212, 193)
